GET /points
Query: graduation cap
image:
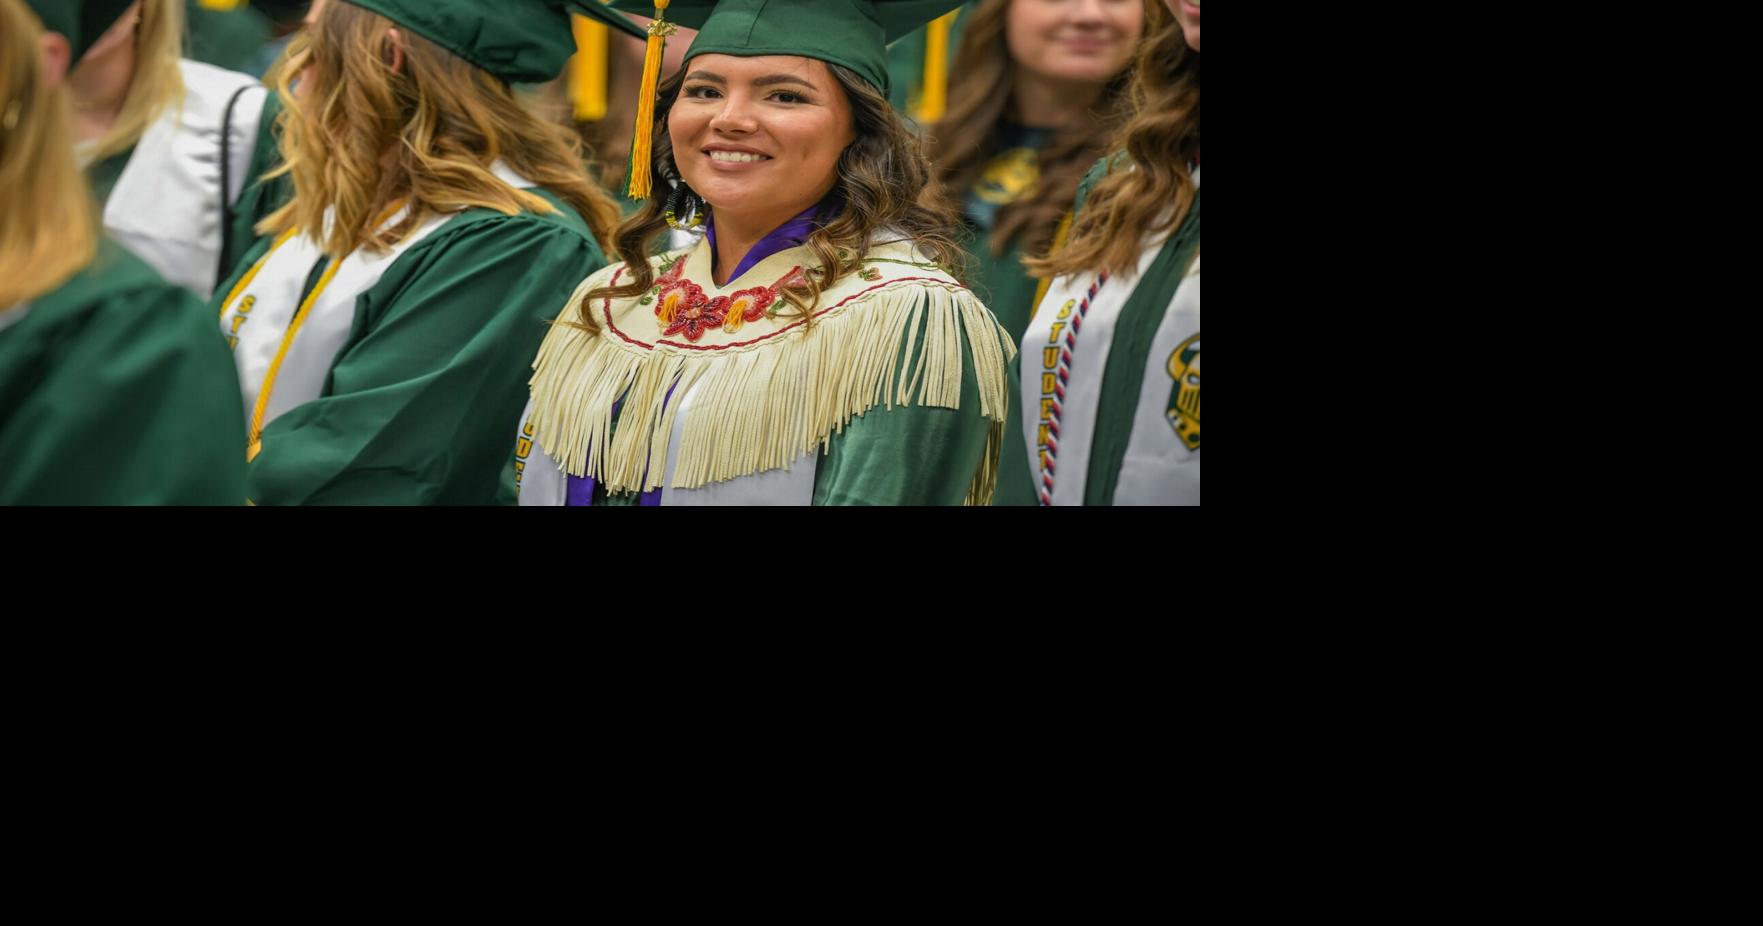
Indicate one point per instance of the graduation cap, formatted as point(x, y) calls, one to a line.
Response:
point(520, 41)
point(82, 22)
point(851, 33)
point(282, 11)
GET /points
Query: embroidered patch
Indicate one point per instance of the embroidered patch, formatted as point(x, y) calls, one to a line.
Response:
point(1007, 177)
point(1183, 413)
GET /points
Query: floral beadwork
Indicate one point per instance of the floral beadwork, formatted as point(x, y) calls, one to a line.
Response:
point(870, 274)
point(682, 308)
point(748, 305)
point(698, 317)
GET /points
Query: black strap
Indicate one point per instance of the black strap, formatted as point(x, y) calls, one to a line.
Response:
point(227, 214)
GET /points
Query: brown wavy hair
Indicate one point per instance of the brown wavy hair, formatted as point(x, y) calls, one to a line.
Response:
point(967, 137)
point(1162, 139)
point(49, 224)
point(883, 183)
point(364, 136)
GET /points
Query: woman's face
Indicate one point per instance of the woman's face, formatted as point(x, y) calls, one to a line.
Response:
point(761, 135)
point(1074, 40)
point(1188, 13)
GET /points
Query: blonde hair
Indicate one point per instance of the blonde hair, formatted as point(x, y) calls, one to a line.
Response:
point(158, 82)
point(363, 136)
point(48, 223)
point(1161, 140)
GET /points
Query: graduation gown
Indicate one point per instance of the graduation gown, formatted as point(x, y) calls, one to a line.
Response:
point(698, 394)
point(390, 379)
point(115, 390)
point(1110, 376)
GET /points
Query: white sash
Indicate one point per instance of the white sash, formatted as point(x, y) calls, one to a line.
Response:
point(1064, 356)
point(165, 207)
point(1162, 464)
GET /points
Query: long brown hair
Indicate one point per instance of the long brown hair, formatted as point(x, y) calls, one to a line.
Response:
point(967, 137)
point(883, 184)
point(1161, 140)
point(48, 224)
point(442, 121)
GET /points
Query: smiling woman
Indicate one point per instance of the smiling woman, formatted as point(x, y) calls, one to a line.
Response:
point(816, 346)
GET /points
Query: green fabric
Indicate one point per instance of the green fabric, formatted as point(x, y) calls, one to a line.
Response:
point(260, 197)
point(117, 389)
point(1125, 374)
point(416, 407)
point(520, 41)
point(1006, 288)
point(82, 22)
point(597, 9)
point(229, 39)
point(103, 175)
point(852, 33)
point(907, 455)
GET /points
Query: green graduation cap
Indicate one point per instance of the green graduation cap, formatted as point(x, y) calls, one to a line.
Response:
point(520, 41)
point(852, 33)
point(82, 22)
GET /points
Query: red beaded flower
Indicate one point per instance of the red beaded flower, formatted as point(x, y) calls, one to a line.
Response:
point(748, 305)
point(697, 315)
point(677, 295)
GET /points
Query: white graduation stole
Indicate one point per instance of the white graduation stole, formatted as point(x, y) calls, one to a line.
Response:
point(1162, 464)
point(1064, 357)
point(166, 205)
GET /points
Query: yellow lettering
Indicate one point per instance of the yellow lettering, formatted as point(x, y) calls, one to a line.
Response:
point(1054, 337)
point(237, 321)
point(1066, 312)
point(1048, 381)
point(1044, 436)
point(1046, 409)
point(1050, 357)
point(524, 448)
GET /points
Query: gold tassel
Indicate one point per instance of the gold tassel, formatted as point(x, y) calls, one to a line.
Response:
point(587, 73)
point(933, 96)
point(643, 135)
point(224, 5)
